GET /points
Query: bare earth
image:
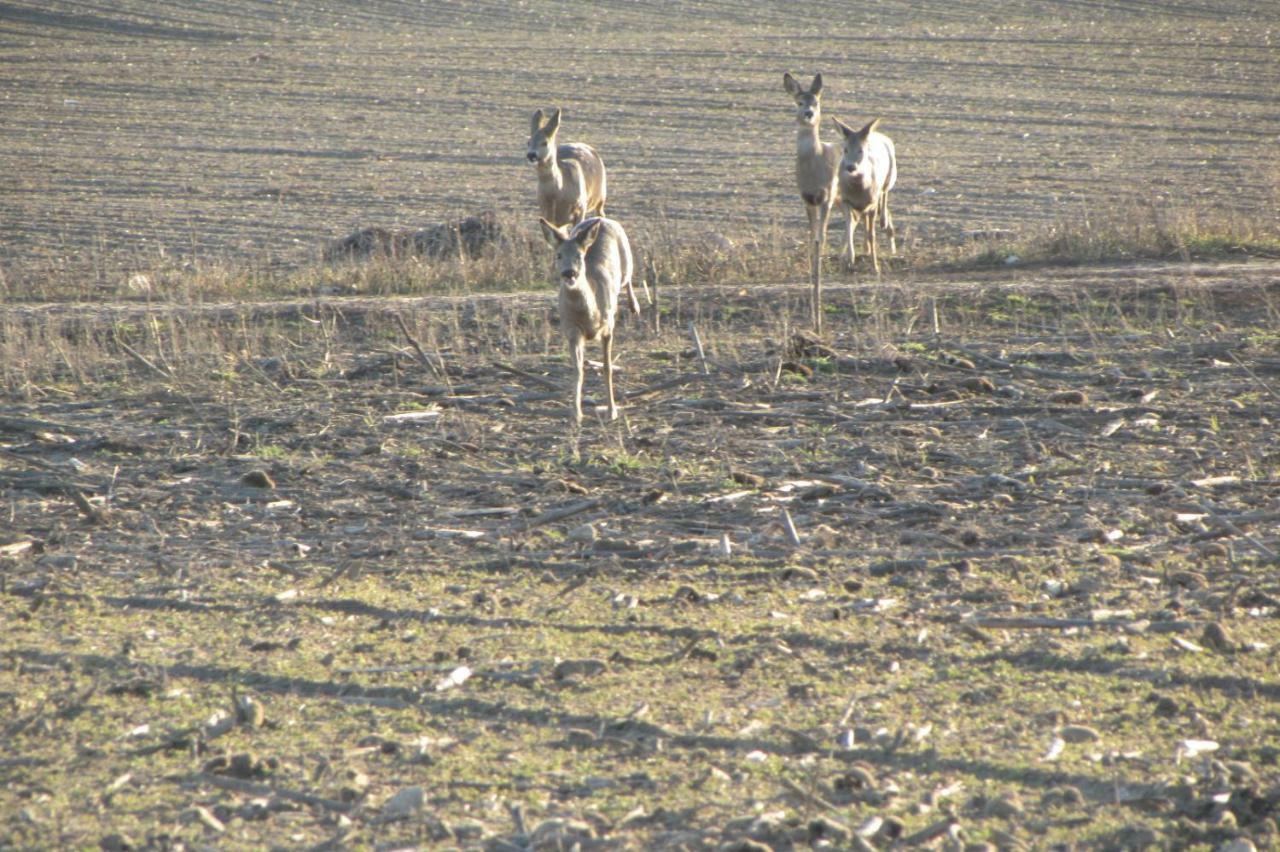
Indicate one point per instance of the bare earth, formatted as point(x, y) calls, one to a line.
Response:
point(135, 136)
point(995, 564)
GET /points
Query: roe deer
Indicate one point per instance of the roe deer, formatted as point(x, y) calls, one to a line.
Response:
point(593, 263)
point(571, 180)
point(868, 170)
point(817, 164)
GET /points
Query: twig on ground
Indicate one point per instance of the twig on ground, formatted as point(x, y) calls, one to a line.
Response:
point(421, 353)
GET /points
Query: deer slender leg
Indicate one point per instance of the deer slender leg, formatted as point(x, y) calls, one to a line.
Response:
point(606, 341)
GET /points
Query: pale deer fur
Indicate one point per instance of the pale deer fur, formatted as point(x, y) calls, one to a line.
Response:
point(571, 178)
point(817, 164)
point(868, 170)
point(593, 263)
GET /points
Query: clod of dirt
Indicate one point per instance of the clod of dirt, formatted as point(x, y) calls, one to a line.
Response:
point(802, 691)
point(569, 669)
point(1214, 551)
point(1166, 707)
point(241, 765)
point(978, 384)
point(1007, 805)
point(798, 368)
point(744, 845)
point(583, 534)
point(1191, 580)
point(470, 235)
point(250, 712)
point(1217, 637)
point(354, 785)
point(1068, 795)
point(823, 828)
point(807, 345)
point(403, 804)
point(1237, 844)
point(258, 479)
point(794, 573)
point(560, 834)
point(117, 843)
point(1079, 734)
point(1071, 397)
point(746, 477)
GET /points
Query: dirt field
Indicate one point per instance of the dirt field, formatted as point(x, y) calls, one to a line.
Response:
point(994, 566)
point(130, 138)
point(1031, 595)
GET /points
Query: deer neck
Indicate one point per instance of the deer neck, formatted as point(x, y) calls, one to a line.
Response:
point(808, 145)
point(549, 173)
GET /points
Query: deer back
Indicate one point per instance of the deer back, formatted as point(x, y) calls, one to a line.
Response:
point(593, 174)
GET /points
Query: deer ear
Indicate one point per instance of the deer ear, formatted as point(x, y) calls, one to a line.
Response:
point(551, 233)
point(871, 126)
point(536, 123)
point(845, 130)
point(586, 237)
point(789, 83)
point(815, 88)
point(553, 124)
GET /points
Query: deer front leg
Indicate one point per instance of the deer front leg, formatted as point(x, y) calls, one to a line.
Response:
point(886, 221)
point(870, 224)
point(606, 341)
point(577, 355)
point(819, 243)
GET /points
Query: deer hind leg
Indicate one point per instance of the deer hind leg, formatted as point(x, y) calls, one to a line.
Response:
point(606, 341)
point(577, 356)
point(869, 223)
point(886, 222)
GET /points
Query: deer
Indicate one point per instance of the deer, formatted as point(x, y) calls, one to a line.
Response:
point(571, 178)
point(817, 167)
point(593, 262)
point(868, 170)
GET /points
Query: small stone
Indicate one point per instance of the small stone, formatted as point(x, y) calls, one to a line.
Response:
point(250, 712)
point(403, 804)
point(1071, 397)
point(1190, 580)
point(1214, 551)
point(1166, 707)
point(117, 843)
point(828, 829)
point(258, 479)
point(566, 669)
point(583, 534)
point(978, 384)
point(1005, 806)
point(1079, 734)
point(1215, 636)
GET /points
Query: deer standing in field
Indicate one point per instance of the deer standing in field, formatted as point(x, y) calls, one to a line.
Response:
point(593, 263)
point(571, 179)
point(868, 170)
point(817, 165)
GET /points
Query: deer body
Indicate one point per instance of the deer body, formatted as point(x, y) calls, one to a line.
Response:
point(593, 263)
point(868, 171)
point(571, 177)
point(817, 169)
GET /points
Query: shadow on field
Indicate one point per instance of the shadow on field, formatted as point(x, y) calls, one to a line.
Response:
point(614, 731)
